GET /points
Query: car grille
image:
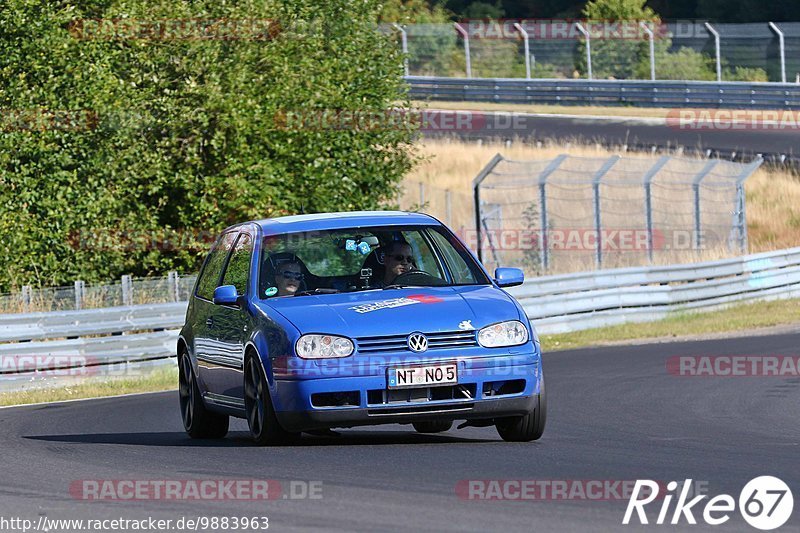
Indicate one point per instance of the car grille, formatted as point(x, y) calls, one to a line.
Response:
point(395, 343)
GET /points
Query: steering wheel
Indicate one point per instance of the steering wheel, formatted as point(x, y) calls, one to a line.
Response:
point(418, 277)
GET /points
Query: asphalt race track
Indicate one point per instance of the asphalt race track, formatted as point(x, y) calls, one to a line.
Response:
point(614, 414)
point(640, 133)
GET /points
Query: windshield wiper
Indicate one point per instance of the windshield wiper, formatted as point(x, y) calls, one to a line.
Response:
point(398, 286)
point(319, 290)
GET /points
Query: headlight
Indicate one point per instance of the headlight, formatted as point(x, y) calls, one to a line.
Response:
point(323, 346)
point(511, 333)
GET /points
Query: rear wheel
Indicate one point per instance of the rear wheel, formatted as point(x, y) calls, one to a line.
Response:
point(199, 422)
point(528, 427)
point(264, 426)
point(432, 426)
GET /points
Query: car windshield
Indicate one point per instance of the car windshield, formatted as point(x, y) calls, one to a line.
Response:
point(359, 259)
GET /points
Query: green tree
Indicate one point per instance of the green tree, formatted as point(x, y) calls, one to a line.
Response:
point(183, 135)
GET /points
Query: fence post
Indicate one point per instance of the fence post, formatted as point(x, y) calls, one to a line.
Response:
point(403, 44)
point(740, 216)
point(421, 194)
point(465, 35)
point(598, 227)
point(524, 34)
point(26, 298)
point(649, 33)
point(476, 192)
point(648, 201)
point(448, 206)
point(549, 169)
point(696, 188)
point(588, 48)
point(79, 291)
point(782, 47)
point(174, 286)
point(127, 290)
point(715, 33)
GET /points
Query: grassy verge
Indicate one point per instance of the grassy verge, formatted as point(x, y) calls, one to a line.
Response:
point(739, 318)
point(160, 379)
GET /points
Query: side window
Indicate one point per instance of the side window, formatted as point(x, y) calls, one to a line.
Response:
point(459, 269)
point(425, 259)
point(213, 266)
point(238, 270)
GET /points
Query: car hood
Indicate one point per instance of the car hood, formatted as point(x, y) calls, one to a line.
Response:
point(397, 311)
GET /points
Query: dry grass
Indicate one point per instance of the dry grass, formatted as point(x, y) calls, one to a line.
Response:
point(773, 195)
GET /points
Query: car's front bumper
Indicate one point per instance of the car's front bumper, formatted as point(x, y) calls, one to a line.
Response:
point(487, 388)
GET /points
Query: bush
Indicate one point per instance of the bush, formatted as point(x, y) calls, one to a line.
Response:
point(181, 135)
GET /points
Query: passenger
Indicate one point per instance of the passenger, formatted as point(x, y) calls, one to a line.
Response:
point(397, 259)
point(288, 278)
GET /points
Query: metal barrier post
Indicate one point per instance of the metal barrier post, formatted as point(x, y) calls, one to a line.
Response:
point(127, 290)
point(552, 167)
point(26, 298)
point(524, 34)
point(174, 285)
point(476, 191)
point(696, 188)
point(588, 48)
point(715, 33)
point(598, 227)
point(465, 35)
point(782, 47)
point(649, 33)
point(79, 290)
point(648, 201)
point(403, 44)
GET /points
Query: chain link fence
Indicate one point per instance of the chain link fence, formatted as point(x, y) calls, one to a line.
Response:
point(127, 291)
point(679, 50)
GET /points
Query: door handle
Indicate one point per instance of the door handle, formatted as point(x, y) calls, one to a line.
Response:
point(210, 322)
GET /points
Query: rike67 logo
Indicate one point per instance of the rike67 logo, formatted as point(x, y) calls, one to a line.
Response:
point(765, 503)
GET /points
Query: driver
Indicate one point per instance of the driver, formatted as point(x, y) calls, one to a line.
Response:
point(288, 278)
point(397, 259)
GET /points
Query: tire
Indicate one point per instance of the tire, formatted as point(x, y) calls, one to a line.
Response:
point(199, 422)
point(432, 426)
point(528, 427)
point(264, 426)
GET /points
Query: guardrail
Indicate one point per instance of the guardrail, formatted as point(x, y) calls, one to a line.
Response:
point(555, 304)
point(768, 95)
point(96, 337)
point(571, 302)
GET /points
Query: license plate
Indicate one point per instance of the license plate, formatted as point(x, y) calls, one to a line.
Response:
point(423, 376)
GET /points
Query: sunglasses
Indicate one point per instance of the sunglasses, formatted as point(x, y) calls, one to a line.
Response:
point(401, 258)
point(288, 274)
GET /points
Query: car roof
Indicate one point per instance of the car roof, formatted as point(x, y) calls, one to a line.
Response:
point(323, 221)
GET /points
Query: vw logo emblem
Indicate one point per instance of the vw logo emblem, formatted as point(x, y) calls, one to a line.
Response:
point(417, 342)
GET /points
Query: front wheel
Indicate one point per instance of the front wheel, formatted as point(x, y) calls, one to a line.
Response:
point(264, 426)
point(199, 422)
point(432, 426)
point(528, 427)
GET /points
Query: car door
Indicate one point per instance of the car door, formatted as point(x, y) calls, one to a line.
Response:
point(206, 346)
point(232, 322)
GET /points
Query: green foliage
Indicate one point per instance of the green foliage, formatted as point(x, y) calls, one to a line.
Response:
point(183, 135)
point(683, 64)
point(745, 74)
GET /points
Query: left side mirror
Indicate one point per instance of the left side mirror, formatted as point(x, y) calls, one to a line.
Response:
point(225, 295)
point(509, 277)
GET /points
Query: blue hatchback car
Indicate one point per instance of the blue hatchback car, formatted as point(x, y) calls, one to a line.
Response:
point(312, 322)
